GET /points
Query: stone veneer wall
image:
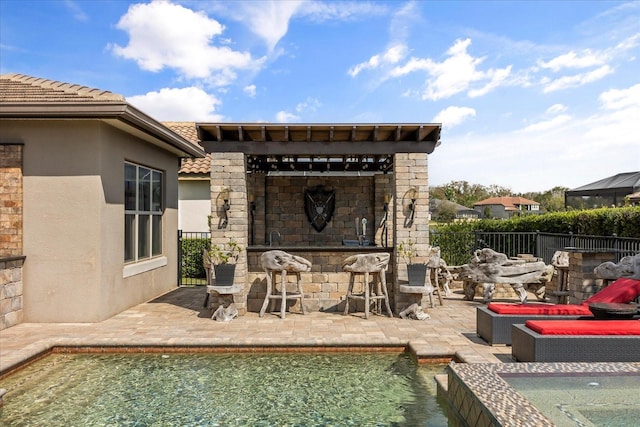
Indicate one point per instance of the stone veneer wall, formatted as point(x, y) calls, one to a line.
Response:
point(410, 172)
point(278, 206)
point(582, 282)
point(11, 259)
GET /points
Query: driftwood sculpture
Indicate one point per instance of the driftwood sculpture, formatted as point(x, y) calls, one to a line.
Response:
point(225, 314)
point(490, 267)
point(282, 262)
point(414, 311)
point(628, 266)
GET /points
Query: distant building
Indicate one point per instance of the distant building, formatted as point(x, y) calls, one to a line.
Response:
point(611, 191)
point(506, 207)
point(437, 207)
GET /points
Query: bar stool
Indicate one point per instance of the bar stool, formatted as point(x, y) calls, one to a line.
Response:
point(376, 264)
point(274, 262)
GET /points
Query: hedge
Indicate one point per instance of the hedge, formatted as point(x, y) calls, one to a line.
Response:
point(192, 257)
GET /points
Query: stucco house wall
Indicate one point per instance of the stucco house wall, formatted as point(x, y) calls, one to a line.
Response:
point(73, 237)
point(194, 205)
point(76, 142)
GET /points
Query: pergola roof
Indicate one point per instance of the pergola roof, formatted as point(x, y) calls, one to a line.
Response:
point(324, 147)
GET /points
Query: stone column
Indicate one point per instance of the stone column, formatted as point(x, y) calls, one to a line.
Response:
point(410, 172)
point(228, 177)
point(582, 282)
point(11, 258)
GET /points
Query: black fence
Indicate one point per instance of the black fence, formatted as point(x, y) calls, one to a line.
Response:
point(190, 268)
point(456, 248)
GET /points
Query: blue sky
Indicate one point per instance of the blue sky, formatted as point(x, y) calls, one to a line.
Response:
point(531, 95)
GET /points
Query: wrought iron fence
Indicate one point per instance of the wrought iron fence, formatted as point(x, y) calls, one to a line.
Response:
point(190, 268)
point(458, 247)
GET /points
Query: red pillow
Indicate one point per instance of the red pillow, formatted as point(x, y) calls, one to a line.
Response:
point(584, 327)
point(541, 309)
point(621, 291)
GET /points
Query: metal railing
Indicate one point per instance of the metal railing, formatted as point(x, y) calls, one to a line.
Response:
point(190, 268)
point(458, 247)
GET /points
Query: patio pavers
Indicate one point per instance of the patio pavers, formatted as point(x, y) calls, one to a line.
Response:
point(178, 319)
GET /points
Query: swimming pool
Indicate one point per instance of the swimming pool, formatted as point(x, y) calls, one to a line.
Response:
point(230, 389)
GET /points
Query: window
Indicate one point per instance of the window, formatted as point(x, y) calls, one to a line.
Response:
point(143, 191)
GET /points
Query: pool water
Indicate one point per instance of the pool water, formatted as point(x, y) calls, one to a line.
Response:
point(583, 399)
point(231, 389)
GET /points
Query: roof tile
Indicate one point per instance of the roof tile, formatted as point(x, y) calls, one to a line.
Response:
point(196, 166)
point(20, 88)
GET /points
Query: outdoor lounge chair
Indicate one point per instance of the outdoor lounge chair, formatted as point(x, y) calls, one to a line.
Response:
point(577, 341)
point(493, 322)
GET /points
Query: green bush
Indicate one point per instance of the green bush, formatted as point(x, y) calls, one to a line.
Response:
point(192, 257)
point(624, 222)
point(457, 240)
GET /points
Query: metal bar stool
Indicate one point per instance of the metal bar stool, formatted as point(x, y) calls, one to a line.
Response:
point(366, 264)
point(274, 262)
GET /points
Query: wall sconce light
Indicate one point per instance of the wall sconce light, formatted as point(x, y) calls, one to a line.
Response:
point(383, 223)
point(224, 196)
point(412, 195)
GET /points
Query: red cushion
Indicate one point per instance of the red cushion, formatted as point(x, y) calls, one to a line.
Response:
point(621, 291)
point(541, 309)
point(584, 327)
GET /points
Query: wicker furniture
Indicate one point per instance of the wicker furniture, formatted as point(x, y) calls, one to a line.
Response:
point(531, 346)
point(495, 328)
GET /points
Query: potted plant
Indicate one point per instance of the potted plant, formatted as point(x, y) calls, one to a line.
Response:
point(416, 273)
point(224, 259)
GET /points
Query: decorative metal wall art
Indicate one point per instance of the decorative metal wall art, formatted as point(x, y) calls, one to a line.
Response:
point(319, 204)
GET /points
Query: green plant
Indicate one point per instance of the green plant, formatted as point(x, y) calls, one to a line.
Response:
point(407, 250)
point(192, 257)
point(227, 254)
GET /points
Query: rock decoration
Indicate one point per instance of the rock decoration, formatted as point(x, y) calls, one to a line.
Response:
point(490, 267)
point(628, 266)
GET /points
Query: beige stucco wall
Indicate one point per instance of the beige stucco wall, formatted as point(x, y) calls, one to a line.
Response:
point(194, 205)
point(74, 220)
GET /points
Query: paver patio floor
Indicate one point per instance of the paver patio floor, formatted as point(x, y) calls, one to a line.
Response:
point(179, 319)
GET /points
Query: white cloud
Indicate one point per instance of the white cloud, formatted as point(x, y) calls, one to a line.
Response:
point(286, 117)
point(548, 124)
point(557, 152)
point(76, 10)
point(308, 105)
point(269, 19)
point(577, 80)
point(162, 34)
point(250, 90)
point(453, 116)
point(573, 60)
point(318, 11)
point(186, 104)
point(391, 56)
point(455, 74)
point(556, 108)
point(615, 98)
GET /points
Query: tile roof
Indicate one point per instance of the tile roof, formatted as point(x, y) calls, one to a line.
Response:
point(510, 203)
point(20, 88)
point(191, 166)
point(28, 97)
